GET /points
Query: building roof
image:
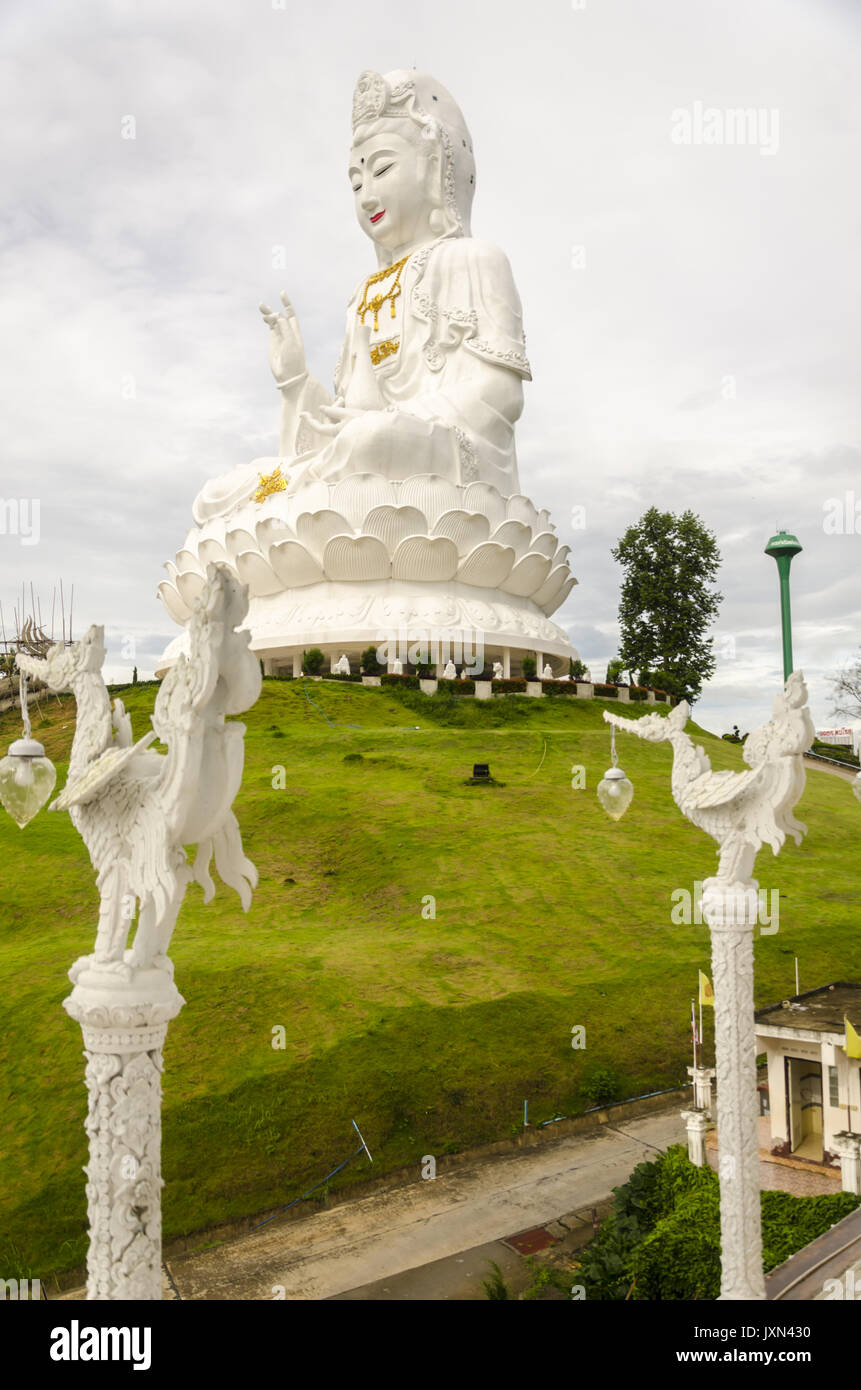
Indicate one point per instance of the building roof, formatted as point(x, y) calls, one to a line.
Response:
point(818, 1010)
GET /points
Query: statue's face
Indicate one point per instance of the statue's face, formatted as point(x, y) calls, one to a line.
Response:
point(393, 178)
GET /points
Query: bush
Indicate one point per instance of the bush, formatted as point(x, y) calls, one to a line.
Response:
point(529, 668)
point(661, 696)
point(638, 692)
point(788, 1222)
point(606, 692)
point(457, 687)
point(662, 1240)
point(339, 676)
point(369, 664)
point(559, 687)
point(601, 1086)
point(512, 686)
point(313, 661)
point(402, 682)
point(838, 751)
point(576, 669)
point(680, 1258)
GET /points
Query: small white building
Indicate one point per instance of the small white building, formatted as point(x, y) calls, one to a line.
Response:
point(814, 1089)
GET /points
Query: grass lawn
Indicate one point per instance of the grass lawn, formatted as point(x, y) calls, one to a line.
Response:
point(429, 1031)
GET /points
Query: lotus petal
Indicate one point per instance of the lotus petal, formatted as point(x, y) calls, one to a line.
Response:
point(188, 563)
point(545, 543)
point(521, 509)
point(392, 525)
point(483, 498)
point(238, 539)
point(527, 575)
point(431, 494)
point(316, 529)
point(466, 529)
point(270, 530)
point(562, 554)
point(313, 497)
point(566, 589)
point(487, 565)
point(357, 495)
point(260, 577)
point(425, 558)
point(176, 607)
point(293, 565)
point(548, 594)
point(172, 571)
point(544, 523)
point(515, 534)
point(191, 540)
point(356, 557)
point(190, 587)
point(211, 552)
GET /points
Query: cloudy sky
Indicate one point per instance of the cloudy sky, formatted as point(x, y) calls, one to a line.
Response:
point(691, 308)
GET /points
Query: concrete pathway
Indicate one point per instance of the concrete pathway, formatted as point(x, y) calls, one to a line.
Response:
point(454, 1216)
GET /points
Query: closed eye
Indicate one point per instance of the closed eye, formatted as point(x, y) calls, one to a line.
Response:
point(385, 169)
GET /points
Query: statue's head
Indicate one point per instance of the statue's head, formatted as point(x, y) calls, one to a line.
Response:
point(411, 162)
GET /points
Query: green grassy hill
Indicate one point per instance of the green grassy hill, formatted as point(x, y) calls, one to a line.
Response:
point(430, 1032)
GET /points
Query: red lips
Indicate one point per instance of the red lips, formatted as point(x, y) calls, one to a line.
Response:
point(378, 215)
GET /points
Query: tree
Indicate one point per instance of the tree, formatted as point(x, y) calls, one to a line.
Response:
point(369, 663)
point(615, 671)
point(846, 690)
point(312, 661)
point(667, 603)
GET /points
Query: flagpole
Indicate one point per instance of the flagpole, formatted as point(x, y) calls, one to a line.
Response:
point(694, 1031)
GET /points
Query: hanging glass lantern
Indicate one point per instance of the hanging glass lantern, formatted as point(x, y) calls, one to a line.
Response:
point(27, 777)
point(615, 791)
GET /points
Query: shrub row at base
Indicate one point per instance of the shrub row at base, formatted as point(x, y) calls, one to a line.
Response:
point(662, 1240)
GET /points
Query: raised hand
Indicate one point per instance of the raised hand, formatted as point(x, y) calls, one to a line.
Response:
point(286, 350)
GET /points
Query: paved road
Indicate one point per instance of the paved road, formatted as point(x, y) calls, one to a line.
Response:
point(378, 1237)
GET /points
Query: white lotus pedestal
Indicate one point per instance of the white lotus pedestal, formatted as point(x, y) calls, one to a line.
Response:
point(124, 1020)
point(847, 1146)
point(730, 910)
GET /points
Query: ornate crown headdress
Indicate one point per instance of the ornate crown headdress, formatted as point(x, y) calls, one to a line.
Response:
point(424, 100)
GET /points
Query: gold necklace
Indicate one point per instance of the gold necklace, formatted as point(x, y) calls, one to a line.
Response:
point(375, 304)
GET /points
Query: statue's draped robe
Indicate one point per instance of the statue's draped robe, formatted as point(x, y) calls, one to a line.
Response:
point(458, 303)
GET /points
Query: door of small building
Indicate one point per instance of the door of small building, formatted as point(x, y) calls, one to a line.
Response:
point(804, 1104)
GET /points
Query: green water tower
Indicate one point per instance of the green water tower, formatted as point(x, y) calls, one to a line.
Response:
point(782, 548)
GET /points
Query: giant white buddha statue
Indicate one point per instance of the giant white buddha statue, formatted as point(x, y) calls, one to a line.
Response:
point(393, 508)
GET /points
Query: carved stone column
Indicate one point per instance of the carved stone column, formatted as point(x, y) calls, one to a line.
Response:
point(847, 1146)
point(696, 1123)
point(702, 1078)
point(730, 909)
point(123, 1016)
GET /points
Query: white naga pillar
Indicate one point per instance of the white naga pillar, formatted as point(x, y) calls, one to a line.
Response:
point(137, 809)
point(847, 1146)
point(741, 811)
point(730, 910)
point(124, 1023)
